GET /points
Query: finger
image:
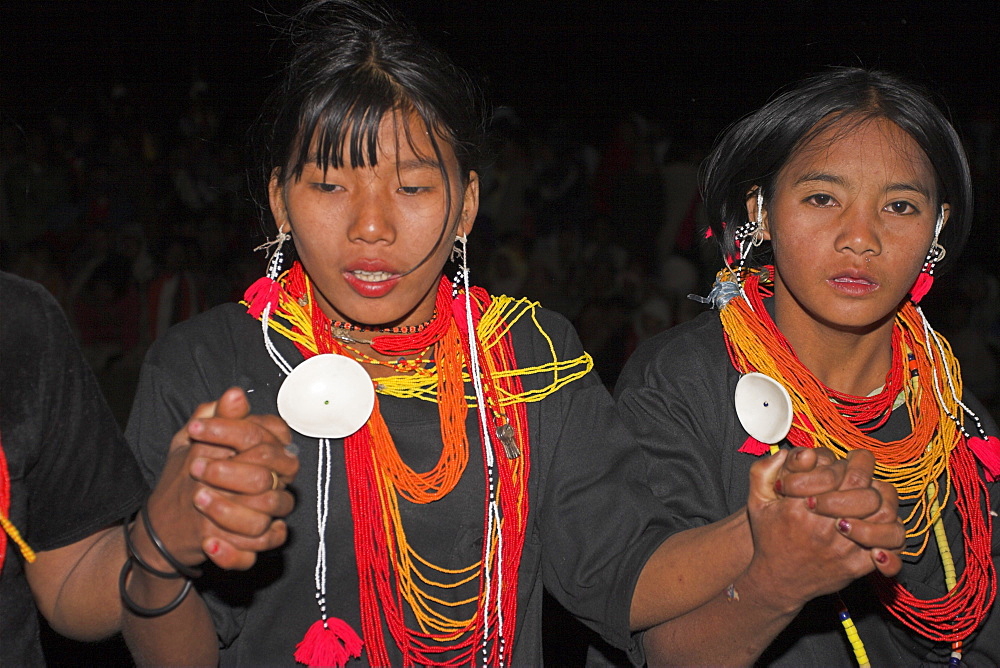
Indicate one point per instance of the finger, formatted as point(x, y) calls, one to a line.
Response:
point(819, 480)
point(883, 535)
point(763, 474)
point(801, 460)
point(233, 404)
point(851, 503)
point(205, 410)
point(243, 515)
point(889, 509)
point(887, 563)
point(860, 469)
point(238, 435)
point(245, 477)
point(273, 424)
point(234, 553)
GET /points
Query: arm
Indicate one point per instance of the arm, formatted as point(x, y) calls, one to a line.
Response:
point(209, 501)
point(696, 564)
point(795, 555)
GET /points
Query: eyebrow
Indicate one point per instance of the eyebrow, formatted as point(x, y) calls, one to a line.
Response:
point(839, 181)
point(418, 163)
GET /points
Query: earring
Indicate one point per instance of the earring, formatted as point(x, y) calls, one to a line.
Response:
point(750, 234)
point(262, 296)
point(459, 255)
point(936, 253)
point(277, 257)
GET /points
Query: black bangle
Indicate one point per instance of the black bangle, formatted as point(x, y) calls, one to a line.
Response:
point(135, 556)
point(138, 609)
point(186, 571)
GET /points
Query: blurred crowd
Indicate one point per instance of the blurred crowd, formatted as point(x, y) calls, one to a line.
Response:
point(135, 223)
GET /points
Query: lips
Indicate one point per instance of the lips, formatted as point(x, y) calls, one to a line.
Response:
point(371, 278)
point(854, 283)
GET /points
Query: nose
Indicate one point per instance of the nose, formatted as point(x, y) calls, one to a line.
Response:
point(859, 232)
point(372, 219)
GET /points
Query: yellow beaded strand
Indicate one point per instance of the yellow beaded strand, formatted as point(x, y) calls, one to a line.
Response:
point(15, 535)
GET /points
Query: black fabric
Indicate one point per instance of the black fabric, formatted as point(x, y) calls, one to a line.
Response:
point(71, 471)
point(676, 395)
point(592, 519)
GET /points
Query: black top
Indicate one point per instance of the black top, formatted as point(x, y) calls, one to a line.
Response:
point(676, 395)
point(71, 472)
point(592, 520)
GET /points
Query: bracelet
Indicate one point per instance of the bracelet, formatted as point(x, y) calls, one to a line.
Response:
point(138, 609)
point(186, 571)
point(135, 556)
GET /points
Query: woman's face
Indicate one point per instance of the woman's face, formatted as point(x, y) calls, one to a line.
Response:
point(359, 231)
point(850, 222)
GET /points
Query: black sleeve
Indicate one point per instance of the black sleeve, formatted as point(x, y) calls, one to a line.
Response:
point(599, 522)
point(675, 397)
point(69, 464)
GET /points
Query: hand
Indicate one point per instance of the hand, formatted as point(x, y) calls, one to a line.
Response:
point(798, 553)
point(845, 491)
point(217, 495)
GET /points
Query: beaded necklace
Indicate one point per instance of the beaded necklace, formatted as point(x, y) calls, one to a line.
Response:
point(930, 465)
point(8, 527)
point(391, 574)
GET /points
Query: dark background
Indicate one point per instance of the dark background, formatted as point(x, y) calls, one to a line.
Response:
point(704, 62)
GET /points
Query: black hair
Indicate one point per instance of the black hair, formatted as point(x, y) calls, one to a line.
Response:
point(352, 64)
point(753, 151)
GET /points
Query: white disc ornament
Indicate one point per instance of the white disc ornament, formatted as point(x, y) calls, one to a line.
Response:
point(326, 396)
point(763, 407)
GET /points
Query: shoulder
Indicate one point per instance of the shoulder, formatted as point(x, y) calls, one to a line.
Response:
point(28, 307)
point(223, 330)
point(692, 349)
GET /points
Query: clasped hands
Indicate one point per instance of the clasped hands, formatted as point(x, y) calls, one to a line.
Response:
point(222, 494)
point(819, 523)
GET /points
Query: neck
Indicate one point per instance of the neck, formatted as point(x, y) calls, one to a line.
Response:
point(849, 361)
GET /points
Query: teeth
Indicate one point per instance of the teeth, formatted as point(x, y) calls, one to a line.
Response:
point(372, 276)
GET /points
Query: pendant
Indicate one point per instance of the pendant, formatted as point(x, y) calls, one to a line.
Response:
point(342, 335)
point(505, 432)
point(327, 396)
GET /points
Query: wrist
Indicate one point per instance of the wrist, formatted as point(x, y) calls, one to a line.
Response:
point(761, 586)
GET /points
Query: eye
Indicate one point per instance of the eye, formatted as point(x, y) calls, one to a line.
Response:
point(326, 187)
point(820, 199)
point(413, 190)
point(901, 208)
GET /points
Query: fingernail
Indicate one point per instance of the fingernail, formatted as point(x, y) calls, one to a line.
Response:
point(777, 485)
point(881, 557)
point(213, 547)
point(844, 526)
point(811, 502)
point(196, 427)
point(202, 498)
point(198, 467)
point(292, 450)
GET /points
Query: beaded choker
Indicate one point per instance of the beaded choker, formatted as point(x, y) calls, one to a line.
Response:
point(931, 465)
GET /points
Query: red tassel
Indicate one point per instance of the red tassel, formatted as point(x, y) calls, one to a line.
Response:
point(754, 447)
point(329, 643)
point(987, 451)
point(921, 287)
point(263, 292)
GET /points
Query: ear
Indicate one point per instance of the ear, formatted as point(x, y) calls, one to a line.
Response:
point(752, 213)
point(470, 206)
point(276, 200)
point(945, 214)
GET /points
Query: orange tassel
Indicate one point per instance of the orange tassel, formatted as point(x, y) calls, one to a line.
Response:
point(330, 642)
